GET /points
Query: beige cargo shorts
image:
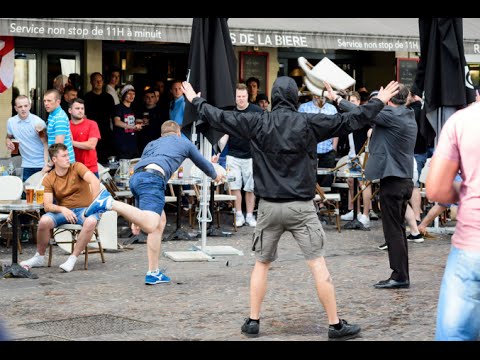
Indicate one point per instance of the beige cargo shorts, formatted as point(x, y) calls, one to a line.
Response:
point(298, 217)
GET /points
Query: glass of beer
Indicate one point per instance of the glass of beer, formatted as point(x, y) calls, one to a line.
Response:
point(16, 143)
point(29, 191)
point(146, 118)
point(40, 191)
point(40, 130)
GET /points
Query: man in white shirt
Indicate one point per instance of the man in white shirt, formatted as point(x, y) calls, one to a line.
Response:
point(30, 131)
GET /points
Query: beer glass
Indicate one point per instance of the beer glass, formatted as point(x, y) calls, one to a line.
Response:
point(29, 191)
point(40, 191)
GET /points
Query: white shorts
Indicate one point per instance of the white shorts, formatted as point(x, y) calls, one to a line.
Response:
point(242, 169)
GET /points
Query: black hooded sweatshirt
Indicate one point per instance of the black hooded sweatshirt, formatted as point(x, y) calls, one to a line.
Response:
point(284, 141)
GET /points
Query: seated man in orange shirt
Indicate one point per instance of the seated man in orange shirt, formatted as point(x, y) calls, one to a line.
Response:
point(72, 186)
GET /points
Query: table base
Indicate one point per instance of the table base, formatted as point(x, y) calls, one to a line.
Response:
point(17, 271)
point(355, 225)
point(179, 234)
point(140, 238)
point(215, 232)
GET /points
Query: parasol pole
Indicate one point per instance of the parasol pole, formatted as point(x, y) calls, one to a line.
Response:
point(194, 125)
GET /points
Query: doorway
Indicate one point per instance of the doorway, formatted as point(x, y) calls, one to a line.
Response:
point(35, 70)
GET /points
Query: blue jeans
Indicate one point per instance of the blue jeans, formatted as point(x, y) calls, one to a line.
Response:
point(421, 159)
point(27, 172)
point(458, 313)
point(149, 191)
point(59, 218)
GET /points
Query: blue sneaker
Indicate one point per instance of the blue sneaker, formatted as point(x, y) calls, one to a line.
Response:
point(156, 277)
point(100, 204)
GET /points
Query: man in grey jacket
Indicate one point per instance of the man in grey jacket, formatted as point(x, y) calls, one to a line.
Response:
point(284, 151)
point(391, 157)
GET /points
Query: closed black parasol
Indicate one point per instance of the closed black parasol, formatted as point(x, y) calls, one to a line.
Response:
point(443, 77)
point(212, 71)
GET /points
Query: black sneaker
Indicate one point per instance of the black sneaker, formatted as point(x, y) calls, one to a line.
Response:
point(384, 246)
point(415, 238)
point(251, 328)
point(347, 331)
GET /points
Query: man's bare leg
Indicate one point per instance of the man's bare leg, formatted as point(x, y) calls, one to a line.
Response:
point(238, 201)
point(410, 218)
point(148, 221)
point(45, 225)
point(85, 235)
point(258, 288)
point(416, 201)
point(325, 288)
point(249, 202)
point(154, 243)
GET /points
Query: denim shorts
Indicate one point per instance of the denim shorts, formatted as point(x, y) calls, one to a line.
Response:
point(59, 218)
point(149, 191)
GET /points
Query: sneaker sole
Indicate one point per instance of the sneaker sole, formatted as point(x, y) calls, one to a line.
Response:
point(249, 335)
point(346, 337)
point(416, 240)
point(382, 247)
point(156, 282)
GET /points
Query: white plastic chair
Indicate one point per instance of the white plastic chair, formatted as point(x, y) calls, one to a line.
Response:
point(11, 188)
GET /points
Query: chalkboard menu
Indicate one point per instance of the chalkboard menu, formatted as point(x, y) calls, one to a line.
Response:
point(406, 71)
point(254, 64)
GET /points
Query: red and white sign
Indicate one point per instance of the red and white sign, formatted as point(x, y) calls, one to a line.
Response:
point(7, 60)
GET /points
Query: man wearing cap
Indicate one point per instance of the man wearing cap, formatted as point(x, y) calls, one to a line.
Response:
point(262, 101)
point(124, 130)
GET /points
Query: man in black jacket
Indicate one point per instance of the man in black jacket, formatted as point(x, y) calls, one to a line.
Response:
point(284, 151)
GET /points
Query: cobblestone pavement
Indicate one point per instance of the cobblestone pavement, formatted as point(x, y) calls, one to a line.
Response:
point(209, 300)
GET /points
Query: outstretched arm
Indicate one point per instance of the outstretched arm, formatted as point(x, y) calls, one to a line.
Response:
point(243, 125)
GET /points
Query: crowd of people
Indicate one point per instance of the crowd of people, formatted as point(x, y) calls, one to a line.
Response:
point(273, 153)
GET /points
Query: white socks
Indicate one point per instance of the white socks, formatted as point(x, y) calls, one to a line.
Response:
point(68, 265)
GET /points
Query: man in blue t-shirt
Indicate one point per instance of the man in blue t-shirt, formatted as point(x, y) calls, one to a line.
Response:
point(160, 159)
point(58, 127)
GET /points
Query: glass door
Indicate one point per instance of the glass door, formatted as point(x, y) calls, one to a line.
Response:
point(54, 63)
point(26, 79)
point(35, 71)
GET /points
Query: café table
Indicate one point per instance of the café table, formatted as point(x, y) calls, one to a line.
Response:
point(17, 207)
point(353, 224)
point(211, 229)
point(179, 233)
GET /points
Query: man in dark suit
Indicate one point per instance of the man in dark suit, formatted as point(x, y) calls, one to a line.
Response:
point(391, 160)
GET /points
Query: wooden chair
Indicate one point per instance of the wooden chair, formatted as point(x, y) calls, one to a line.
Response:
point(331, 204)
point(68, 234)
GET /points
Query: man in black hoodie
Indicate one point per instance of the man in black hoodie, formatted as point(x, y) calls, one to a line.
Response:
point(284, 151)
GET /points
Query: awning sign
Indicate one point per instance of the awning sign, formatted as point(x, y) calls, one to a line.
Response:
point(154, 30)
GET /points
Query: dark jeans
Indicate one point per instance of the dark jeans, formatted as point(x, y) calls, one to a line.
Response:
point(326, 160)
point(394, 195)
point(27, 172)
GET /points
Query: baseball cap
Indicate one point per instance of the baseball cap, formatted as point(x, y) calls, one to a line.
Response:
point(372, 94)
point(262, 97)
point(126, 88)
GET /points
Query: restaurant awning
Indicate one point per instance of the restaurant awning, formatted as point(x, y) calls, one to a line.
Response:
point(369, 34)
